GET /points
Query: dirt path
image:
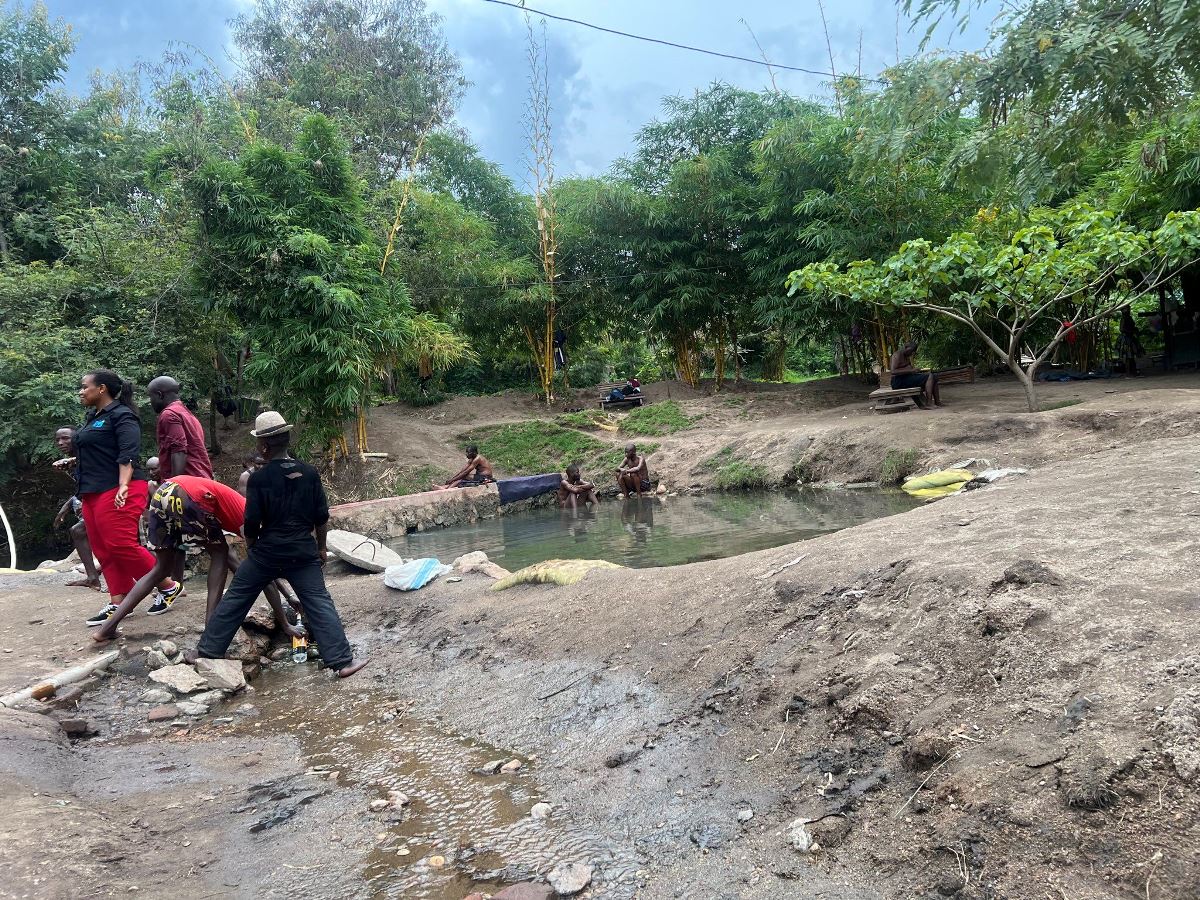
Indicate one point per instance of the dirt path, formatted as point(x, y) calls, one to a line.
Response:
point(993, 696)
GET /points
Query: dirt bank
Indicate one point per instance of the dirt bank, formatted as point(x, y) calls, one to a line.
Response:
point(994, 696)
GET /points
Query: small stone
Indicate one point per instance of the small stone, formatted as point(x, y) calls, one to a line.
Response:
point(191, 708)
point(156, 659)
point(43, 691)
point(70, 696)
point(541, 810)
point(209, 698)
point(181, 679)
point(280, 654)
point(570, 878)
point(745, 815)
point(251, 670)
point(36, 621)
point(162, 713)
point(222, 720)
point(156, 696)
point(379, 805)
point(179, 630)
point(490, 768)
point(224, 674)
point(513, 765)
point(436, 862)
point(167, 648)
point(249, 710)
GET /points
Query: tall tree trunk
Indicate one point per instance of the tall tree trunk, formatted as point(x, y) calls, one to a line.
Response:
point(214, 441)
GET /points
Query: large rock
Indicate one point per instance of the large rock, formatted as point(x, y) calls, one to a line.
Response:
point(221, 674)
point(361, 551)
point(570, 878)
point(182, 679)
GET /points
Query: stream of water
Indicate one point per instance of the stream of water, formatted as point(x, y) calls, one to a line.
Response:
point(658, 531)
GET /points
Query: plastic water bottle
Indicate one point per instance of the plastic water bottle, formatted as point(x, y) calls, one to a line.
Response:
point(299, 644)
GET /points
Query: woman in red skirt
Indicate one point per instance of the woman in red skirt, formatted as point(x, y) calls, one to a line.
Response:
point(113, 488)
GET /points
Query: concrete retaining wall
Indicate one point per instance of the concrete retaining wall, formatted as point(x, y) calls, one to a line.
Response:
point(392, 516)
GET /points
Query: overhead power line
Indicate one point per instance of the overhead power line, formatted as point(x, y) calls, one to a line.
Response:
point(650, 40)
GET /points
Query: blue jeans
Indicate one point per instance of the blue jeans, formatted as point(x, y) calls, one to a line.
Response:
point(306, 578)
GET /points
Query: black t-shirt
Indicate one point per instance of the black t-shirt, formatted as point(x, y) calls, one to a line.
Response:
point(107, 439)
point(285, 501)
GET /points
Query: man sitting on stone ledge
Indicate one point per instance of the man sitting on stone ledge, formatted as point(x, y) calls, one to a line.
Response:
point(477, 471)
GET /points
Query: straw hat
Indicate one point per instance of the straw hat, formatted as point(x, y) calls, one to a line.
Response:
point(269, 424)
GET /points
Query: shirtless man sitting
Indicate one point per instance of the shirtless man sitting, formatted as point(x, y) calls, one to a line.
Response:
point(477, 471)
point(906, 375)
point(633, 475)
point(572, 490)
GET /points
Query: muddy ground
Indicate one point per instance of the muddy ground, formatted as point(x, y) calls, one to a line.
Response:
point(993, 696)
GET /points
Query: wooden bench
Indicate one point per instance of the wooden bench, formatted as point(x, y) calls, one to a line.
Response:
point(890, 400)
point(627, 403)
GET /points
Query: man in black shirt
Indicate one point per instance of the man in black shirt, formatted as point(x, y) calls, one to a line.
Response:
point(287, 517)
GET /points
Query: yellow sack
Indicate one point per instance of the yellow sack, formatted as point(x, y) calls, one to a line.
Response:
point(933, 493)
point(553, 571)
point(944, 478)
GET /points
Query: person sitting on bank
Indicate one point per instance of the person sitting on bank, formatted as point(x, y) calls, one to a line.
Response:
point(906, 375)
point(477, 471)
point(573, 490)
point(633, 475)
point(287, 520)
point(631, 388)
point(189, 510)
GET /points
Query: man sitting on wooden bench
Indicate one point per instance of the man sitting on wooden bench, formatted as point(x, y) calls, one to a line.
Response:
point(905, 375)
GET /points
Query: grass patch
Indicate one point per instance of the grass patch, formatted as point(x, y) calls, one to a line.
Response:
point(538, 447)
point(656, 419)
point(585, 420)
point(415, 479)
point(733, 474)
point(897, 465)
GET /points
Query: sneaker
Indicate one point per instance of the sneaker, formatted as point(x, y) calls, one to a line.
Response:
point(164, 599)
point(103, 616)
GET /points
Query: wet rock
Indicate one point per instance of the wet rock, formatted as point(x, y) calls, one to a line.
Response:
point(163, 713)
point(77, 728)
point(251, 670)
point(280, 654)
point(248, 646)
point(490, 768)
point(398, 799)
point(568, 879)
point(181, 679)
point(156, 696)
point(248, 710)
point(191, 708)
point(156, 659)
point(527, 891)
point(745, 815)
point(541, 810)
point(223, 674)
point(708, 836)
point(209, 698)
point(511, 767)
point(379, 805)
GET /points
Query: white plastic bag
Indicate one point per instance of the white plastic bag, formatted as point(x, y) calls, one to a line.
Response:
point(414, 574)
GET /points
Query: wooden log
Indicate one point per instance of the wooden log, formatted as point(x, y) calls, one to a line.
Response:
point(63, 678)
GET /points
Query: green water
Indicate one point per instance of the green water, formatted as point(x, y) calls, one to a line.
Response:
point(658, 532)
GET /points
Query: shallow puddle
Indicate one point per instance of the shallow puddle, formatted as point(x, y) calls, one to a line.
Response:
point(659, 532)
point(461, 831)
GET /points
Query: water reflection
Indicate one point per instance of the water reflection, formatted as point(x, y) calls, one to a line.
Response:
point(659, 531)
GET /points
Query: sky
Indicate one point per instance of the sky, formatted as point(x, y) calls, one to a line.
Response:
point(603, 87)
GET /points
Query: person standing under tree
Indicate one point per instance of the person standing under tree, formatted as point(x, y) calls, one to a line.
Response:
point(287, 517)
point(65, 439)
point(112, 487)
